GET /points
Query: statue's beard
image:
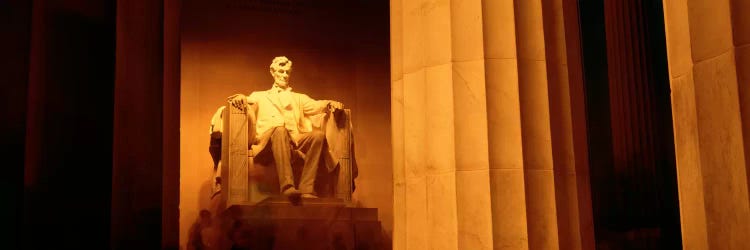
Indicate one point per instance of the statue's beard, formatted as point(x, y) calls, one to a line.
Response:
point(282, 84)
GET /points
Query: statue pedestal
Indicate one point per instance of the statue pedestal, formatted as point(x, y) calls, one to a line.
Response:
point(325, 223)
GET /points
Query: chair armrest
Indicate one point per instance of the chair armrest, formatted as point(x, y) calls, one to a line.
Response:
point(338, 130)
point(234, 159)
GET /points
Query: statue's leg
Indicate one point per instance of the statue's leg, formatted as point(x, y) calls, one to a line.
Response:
point(281, 147)
point(312, 145)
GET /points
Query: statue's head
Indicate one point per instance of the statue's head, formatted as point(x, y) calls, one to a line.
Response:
point(281, 68)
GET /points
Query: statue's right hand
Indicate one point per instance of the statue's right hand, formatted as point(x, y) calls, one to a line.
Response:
point(238, 100)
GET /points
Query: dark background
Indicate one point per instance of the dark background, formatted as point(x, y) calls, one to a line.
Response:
point(59, 81)
point(58, 71)
point(634, 199)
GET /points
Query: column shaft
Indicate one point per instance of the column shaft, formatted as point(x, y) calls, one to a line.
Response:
point(474, 207)
point(509, 225)
point(459, 163)
point(706, 108)
point(535, 126)
point(397, 127)
point(741, 34)
point(563, 150)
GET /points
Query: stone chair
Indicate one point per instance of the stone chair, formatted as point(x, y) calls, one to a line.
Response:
point(244, 174)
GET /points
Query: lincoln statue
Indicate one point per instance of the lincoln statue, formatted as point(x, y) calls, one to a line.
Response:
point(283, 126)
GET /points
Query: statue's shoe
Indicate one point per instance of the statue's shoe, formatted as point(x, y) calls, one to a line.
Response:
point(291, 192)
point(309, 196)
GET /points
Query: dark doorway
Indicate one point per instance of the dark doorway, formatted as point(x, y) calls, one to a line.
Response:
point(629, 122)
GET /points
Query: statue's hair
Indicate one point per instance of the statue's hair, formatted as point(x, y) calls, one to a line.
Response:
point(280, 61)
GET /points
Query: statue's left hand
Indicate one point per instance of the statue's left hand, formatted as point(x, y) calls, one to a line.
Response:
point(238, 100)
point(335, 105)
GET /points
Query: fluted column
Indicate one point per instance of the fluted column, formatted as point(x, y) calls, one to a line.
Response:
point(428, 116)
point(741, 32)
point(712, 174)
point(535, 126)
point(473, 157)
point(474, 200)
point(414, 125)
point(137, 156)
point(397, 126)
point(573, 210)
point(509, 223)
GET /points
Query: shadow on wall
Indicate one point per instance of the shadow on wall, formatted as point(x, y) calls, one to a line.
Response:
point(204, 228)
point(195, 239)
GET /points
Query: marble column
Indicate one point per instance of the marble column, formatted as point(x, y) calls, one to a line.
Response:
point(712, 178)
point(171, 125)
point(741, 35)
point(428, 132)
point(399, 238)
point(576, 180)
point(470, 121)
point(535, 126)
point(473, 151)
point(509, 224)
point(571, 234)
point(138, 131)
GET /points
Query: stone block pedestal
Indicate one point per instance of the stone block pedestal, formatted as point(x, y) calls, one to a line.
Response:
point(278, 223)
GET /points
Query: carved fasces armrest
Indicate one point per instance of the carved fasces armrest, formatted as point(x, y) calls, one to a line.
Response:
point(234, 152)
point(217, 122)
point(231, 129)
point(217, 128)
point(338, 130)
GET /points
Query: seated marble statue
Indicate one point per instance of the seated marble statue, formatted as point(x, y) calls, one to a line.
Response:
point(283, 124)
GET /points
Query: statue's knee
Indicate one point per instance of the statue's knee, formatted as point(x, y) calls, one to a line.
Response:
point(280, 132)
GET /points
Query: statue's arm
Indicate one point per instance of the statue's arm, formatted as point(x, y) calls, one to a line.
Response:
point(313, 107)
point(252, 98)
point(252, 109)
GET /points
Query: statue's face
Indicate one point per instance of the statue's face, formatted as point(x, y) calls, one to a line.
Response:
point(281, 75)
